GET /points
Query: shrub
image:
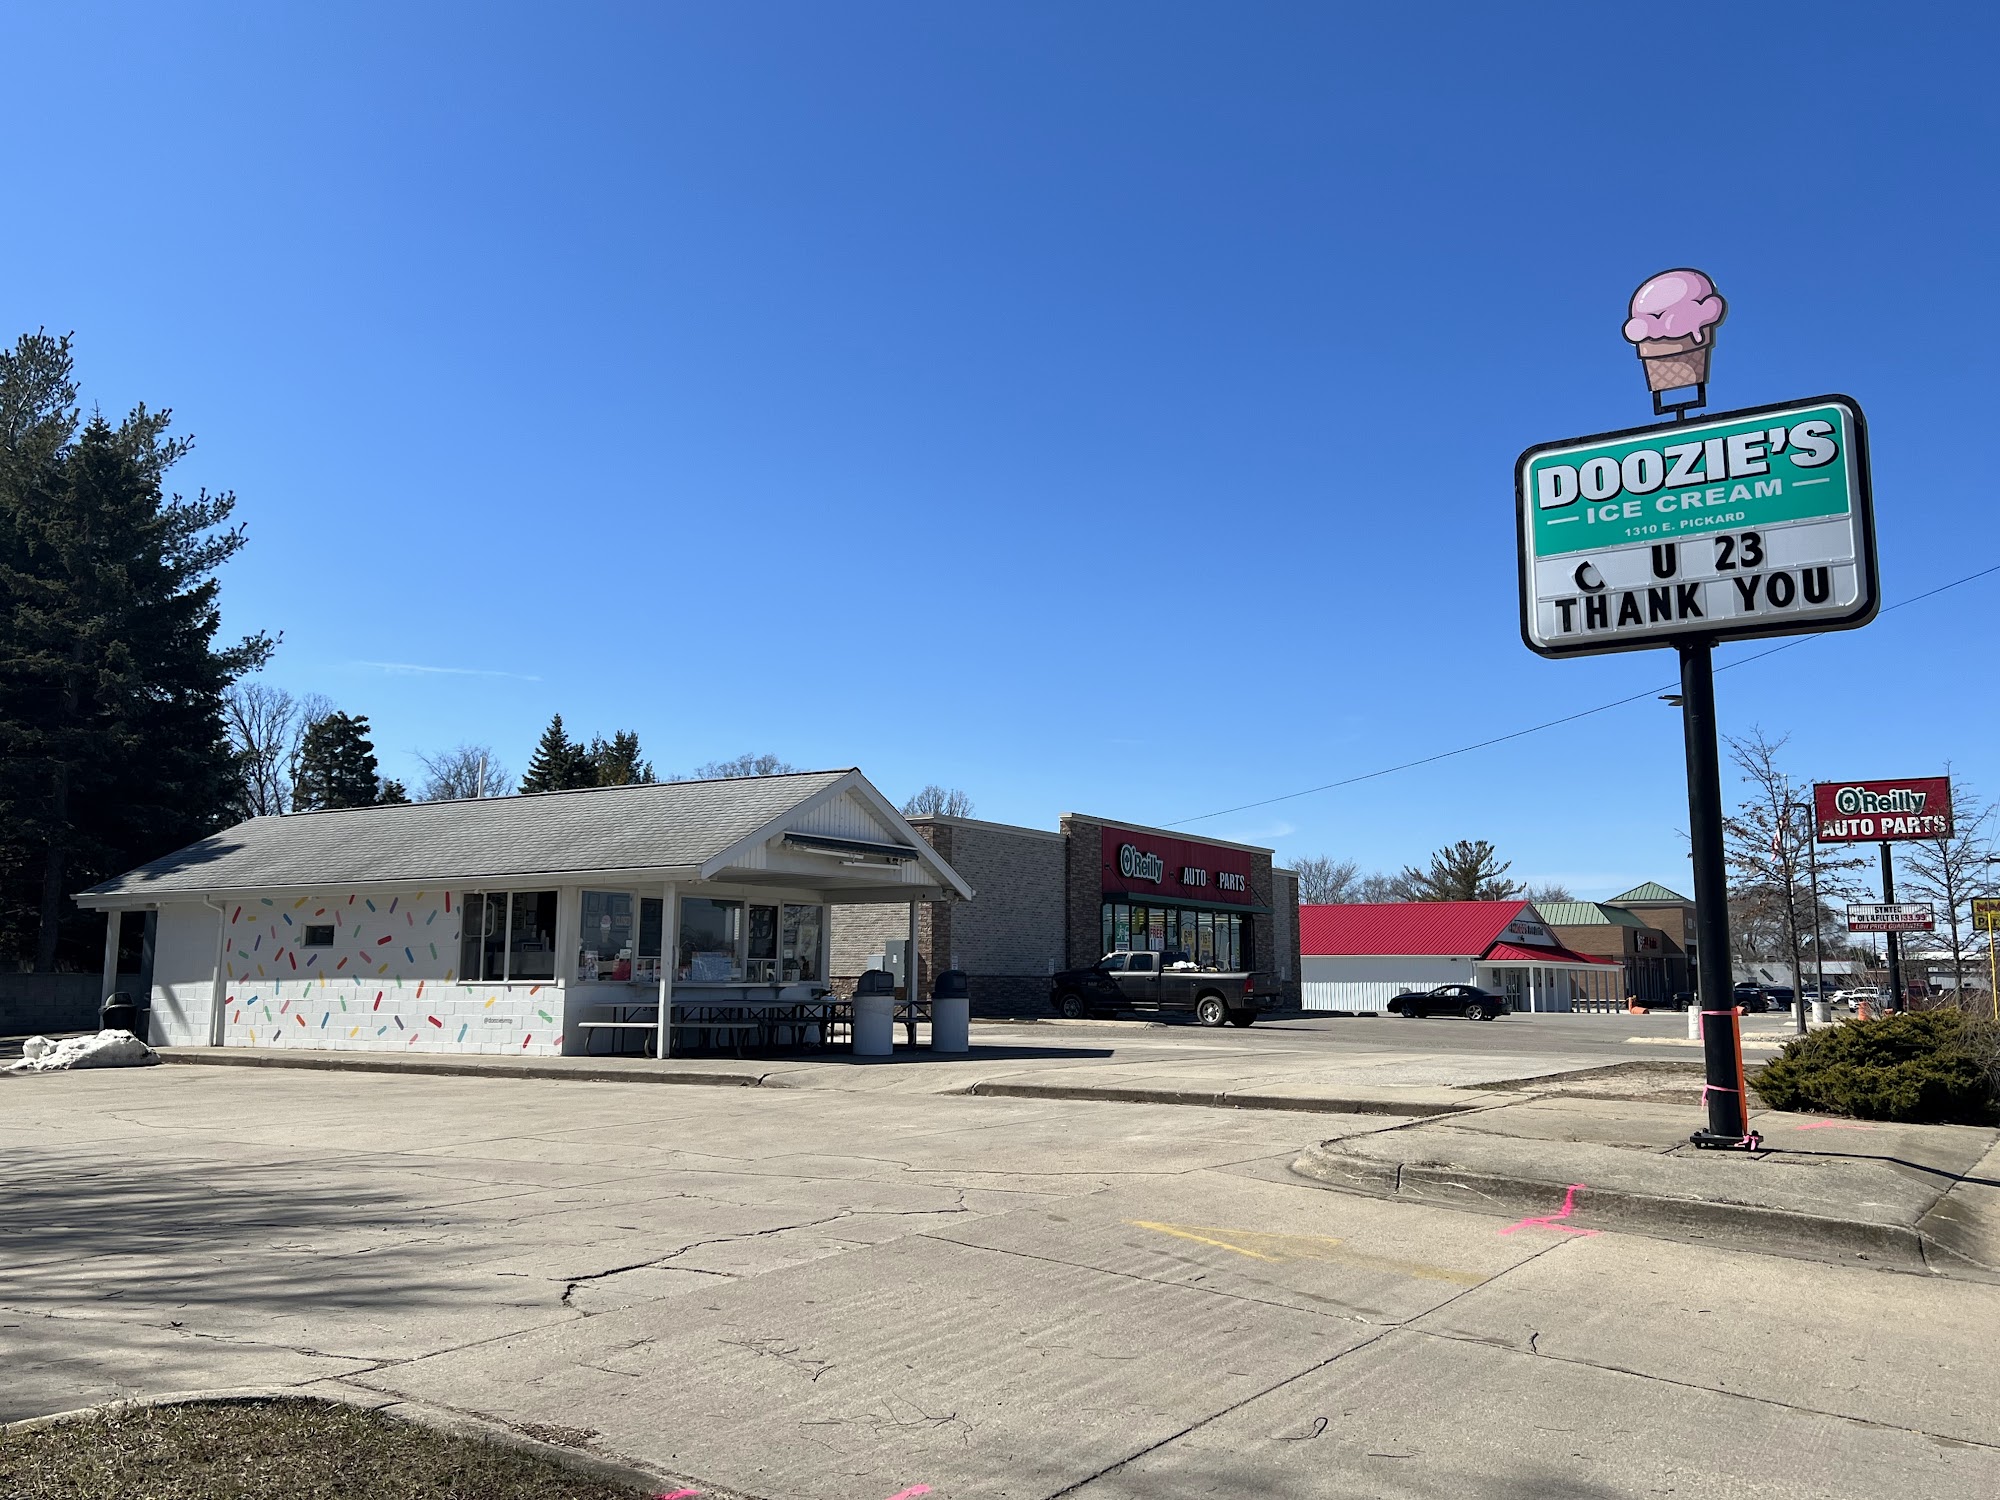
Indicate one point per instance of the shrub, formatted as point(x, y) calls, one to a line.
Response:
point(1925, 1067)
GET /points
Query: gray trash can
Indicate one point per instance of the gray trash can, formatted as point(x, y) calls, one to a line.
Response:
point(951, 1013)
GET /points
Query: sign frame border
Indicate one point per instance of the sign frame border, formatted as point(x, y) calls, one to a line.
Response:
point(1864, 611)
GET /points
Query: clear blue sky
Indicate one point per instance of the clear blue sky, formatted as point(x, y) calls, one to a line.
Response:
point(1105, 407)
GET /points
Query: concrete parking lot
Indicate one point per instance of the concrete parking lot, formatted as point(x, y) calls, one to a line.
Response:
point(844, 1292)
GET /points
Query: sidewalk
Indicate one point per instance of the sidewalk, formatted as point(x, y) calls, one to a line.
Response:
point(1920, 1198)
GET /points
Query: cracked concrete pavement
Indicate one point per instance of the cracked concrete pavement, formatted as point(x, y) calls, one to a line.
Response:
point(826, 1293)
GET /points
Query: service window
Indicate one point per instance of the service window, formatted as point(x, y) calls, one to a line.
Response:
point(318, 937)
point(711, 936)
point(799, 950)
point(507, 935)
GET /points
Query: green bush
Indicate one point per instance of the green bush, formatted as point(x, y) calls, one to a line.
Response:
point(1922, 1067)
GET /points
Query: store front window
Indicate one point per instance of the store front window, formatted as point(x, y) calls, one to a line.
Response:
point(618, 938)
point(799, 958)
point(507, 935)
point(1213, 939)
point(711, 940)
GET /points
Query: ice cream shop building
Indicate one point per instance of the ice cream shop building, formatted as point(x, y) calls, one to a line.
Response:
point(498, 924)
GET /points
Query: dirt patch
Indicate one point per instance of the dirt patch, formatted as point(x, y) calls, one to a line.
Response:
point(300, 1449)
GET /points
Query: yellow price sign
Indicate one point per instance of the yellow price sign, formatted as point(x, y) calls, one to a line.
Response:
point(1986, 912)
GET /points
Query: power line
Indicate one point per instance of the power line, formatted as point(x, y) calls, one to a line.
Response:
point(1501, 739)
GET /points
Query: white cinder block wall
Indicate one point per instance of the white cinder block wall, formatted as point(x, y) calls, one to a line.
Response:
point(389, 982)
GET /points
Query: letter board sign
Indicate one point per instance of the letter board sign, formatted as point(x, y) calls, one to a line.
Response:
point(1877, 812)
point(1891, 916)
point(1753, 523)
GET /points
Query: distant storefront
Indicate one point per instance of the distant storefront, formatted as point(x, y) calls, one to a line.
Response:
point(1052, 900)
point(1356, 958)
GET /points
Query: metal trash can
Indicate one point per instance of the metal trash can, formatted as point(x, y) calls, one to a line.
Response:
point(951, 1013)
point(875, 1014)
point(119, 1013)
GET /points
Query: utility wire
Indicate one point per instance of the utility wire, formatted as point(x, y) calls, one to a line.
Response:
point(1501, 739)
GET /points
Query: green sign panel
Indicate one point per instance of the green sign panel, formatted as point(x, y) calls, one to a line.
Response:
point(1752, 523)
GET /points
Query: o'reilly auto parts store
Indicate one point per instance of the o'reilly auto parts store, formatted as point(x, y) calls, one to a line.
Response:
point(1058, 900)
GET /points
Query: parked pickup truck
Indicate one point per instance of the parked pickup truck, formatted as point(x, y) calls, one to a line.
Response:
point(1164, 982)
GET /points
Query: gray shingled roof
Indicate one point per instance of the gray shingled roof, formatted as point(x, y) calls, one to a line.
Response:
point(669, 825)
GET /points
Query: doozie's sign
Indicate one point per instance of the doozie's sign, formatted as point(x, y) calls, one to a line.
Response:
point(1754, 523)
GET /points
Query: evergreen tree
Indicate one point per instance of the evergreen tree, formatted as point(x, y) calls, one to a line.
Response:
point(559, 763)
point(617, 763)
point(1466, 871)
point(392, 791)
point(113, 749)
point(336, 766)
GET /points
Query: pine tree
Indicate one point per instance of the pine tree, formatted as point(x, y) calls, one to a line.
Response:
point(113, 749)
point(336, 765)
point(1466, 871)
point(392, 791)
point(559, 763)
point(617, 763)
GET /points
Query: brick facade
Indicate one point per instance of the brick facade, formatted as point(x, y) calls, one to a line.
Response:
point(1037, 906)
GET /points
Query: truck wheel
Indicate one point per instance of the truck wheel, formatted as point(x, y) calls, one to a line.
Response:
point(1242, 1017)
point(1070, 1007)
point(1210, 1011)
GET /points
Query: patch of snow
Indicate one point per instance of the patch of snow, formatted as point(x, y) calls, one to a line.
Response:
point(108, 1049)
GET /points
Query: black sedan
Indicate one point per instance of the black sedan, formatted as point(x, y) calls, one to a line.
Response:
point(1467, 1000)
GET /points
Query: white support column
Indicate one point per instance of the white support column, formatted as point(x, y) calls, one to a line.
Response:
point(910, 964)
point(669, 955)
point(113, 920)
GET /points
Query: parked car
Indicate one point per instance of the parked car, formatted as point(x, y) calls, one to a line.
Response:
point(1679, 1000)
point(1758, 998)
point(1851, 998)
point(1164, 982)
point(1467, 1000)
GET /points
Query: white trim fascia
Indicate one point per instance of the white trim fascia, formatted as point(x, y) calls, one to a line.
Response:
point(851, 781)
point(531, 881)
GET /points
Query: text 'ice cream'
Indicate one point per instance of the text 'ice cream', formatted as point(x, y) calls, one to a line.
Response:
point(1673, 321)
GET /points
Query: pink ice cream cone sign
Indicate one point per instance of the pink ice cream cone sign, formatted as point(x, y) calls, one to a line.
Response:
point(1673, 322)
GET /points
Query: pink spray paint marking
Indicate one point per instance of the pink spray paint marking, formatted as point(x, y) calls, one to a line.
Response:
point(1553, 1221)
point(677, 1495)
point(912, 1492)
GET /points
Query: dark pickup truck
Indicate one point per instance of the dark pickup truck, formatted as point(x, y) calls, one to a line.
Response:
point(1164, 982)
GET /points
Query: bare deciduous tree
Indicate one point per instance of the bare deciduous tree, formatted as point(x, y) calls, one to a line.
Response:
point(465, 771)
point(938, 802)
point(1949, 873)
point(1548, 890)
point(1324, 881)
point(1767, 844)
point(742, 765)
point(267, 725)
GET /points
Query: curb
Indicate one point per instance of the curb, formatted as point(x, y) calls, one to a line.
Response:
point(1738, 1225)
point(641, 1479)
point(1408, 1109)
point(245, 1058)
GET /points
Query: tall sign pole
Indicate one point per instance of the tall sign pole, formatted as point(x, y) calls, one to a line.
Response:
point(1898, 1000)
point(1738, 526)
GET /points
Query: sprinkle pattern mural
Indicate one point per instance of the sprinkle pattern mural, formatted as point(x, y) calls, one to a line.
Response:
point(386, 980)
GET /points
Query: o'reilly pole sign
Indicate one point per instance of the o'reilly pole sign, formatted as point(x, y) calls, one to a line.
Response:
point(1752, 523)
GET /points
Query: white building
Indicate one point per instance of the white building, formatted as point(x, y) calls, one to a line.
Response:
point(1356, 958)
point(513, 924)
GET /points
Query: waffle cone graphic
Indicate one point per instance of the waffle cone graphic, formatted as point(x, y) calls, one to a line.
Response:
point(1674, 363)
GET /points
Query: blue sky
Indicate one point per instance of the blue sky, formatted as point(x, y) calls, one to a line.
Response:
point(1106, 408)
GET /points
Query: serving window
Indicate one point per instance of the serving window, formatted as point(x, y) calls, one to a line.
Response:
point(507, 935)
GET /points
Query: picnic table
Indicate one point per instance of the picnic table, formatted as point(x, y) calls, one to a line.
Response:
point(711, 1015)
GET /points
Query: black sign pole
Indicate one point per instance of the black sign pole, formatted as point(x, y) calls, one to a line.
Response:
point(1897, 999)
point(1721, 1044)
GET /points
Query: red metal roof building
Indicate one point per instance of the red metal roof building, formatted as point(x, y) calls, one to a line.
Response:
point(1356, 957)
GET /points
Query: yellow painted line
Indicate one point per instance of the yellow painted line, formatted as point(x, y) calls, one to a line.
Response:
point(1277, 1249)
